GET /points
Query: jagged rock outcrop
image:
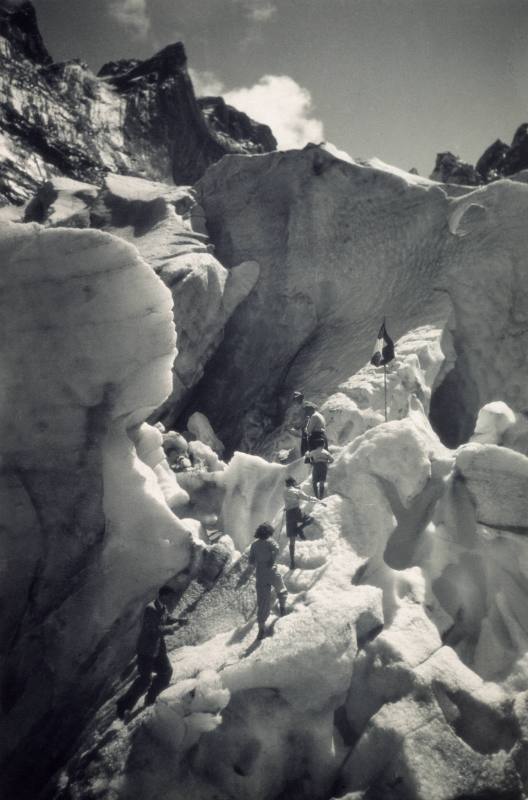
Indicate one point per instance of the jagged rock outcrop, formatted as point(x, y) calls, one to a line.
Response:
point(18, 24)
point(138, 118)
point(517, 157)
point(86, 355)
point(491, 164)
point(499, 160)
point(450, 169)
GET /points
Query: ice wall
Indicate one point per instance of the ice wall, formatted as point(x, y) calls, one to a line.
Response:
point(167, 225)
point(342, 245)
point(85, 356)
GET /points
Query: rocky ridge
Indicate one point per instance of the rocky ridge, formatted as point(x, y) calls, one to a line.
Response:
point(136, 118)
point(499, 160)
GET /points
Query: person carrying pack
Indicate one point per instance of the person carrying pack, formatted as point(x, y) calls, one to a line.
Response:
point(316, 429)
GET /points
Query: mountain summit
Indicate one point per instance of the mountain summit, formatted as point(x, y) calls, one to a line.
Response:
point(137, 118)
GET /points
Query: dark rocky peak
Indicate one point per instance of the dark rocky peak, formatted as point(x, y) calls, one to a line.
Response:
point(153, 127)
point(450, 169)
point(18, 24)
point(491, 163)
point(224, 119)
point(520, 136)
point(499, 160)
point(113, 69)
point(517, 158)
point(170, 62)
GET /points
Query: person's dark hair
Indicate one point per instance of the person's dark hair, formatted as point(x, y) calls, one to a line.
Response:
point(264, 531)
point(318, 443)
point(165, 591)
point(290, 481)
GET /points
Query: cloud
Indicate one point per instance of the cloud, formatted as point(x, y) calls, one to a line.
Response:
point(284, 105)
point(258, 10)
point(132, 14)
point(206, 83)
point(276, 100)
point(258, 13)
point(261, 13)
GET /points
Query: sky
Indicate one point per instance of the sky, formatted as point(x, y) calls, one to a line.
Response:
point(398, 79)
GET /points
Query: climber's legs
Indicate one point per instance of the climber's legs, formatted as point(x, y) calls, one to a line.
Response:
point(263, 605)
point(162, 668)
point(280, 589)
point(292, 552)
point(319, 473)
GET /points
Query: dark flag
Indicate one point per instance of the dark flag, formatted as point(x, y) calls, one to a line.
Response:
point(384, 349)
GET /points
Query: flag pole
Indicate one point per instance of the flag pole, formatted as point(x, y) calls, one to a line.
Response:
point(385, 385)
point(385, 379)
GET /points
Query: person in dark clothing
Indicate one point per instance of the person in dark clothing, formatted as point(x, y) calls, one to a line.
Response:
point(262, 556)
point(151, 654)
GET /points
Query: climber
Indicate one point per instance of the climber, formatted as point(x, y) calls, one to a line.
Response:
point(316, 429)
point(320, 458)
point(262, 555)
point(295, 519)
point(295, 416)
point(151, 653)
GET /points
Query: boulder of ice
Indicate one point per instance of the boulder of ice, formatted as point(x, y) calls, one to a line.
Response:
point(165, 223)
point(199, 426)
point(88, 536)
point(149, 447)
point(493, 421)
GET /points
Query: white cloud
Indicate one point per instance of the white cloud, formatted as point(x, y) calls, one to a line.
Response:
point(206, 83)
point(132, 14)
point(284, 105)
point(277, 100)
point(259, 12)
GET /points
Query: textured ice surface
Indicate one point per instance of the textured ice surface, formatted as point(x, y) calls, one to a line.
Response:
point(86, 353)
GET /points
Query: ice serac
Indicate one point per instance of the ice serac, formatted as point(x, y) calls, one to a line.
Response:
point(339, 245)
point(484, 278)
point(136, 118)
point(167, 226)
point(86, 352)
point(400, 671)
